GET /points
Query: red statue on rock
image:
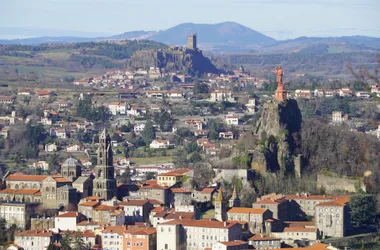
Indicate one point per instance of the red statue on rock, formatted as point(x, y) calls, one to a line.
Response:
point(280, 93)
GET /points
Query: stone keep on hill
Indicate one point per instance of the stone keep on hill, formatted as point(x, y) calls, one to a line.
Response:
point(188, 61)
point(279, 134)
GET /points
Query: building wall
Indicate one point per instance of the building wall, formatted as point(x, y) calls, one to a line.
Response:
point(330, 220)
point(66, 223)
point(158, 194)
point(23, 184)
point(265, 244)
point(112, 241)
point(32, 242)
point(17, 213)
point(168, 237)
point(280, 211)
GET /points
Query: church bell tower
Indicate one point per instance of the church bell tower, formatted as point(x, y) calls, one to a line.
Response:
point(104, 182)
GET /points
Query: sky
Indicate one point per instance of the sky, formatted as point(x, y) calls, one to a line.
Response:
point(280, 19)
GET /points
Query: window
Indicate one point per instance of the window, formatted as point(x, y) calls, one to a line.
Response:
point(166, 246)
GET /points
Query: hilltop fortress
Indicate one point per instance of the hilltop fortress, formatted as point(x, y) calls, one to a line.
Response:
point(189, 60)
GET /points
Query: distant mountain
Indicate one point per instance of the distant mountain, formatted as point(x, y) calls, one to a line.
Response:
point(139, 34)
point(47, 39)
point(220, 38)
point(325, 44)
point(213, 34)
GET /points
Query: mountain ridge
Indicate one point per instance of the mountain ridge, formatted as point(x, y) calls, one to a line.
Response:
point(223, 37)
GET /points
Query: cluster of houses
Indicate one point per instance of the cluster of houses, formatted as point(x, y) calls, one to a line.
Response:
point(343, 92)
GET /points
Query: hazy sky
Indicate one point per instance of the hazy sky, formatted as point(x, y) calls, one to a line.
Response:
point(280, 19)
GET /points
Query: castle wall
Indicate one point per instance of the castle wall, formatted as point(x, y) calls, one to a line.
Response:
point(333, 183)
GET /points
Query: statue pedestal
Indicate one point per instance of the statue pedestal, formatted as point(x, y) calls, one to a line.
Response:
point(280, 94)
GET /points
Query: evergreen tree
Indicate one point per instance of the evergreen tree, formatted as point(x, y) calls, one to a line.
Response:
point(67, 242)
point(363, 211)
point(149, 133)
point(78, 242)
point(3, 230)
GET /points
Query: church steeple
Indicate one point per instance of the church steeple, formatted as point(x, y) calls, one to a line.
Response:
point(235, 200)
point(105, 182)
point(220, 206)
point(105, 154)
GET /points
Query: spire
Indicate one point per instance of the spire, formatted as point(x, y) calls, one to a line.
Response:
point(103, 134)
point(234, 193)
point(220, 195)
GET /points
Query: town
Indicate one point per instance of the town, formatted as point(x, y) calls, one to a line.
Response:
point(148, 158)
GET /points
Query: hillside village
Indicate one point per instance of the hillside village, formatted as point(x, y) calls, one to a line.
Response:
point(127, 160)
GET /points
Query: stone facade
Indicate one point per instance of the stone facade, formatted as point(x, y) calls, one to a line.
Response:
point(333, 183)
point(71, 169)
point(105, 182)
point(255, 217)
point(332, 219)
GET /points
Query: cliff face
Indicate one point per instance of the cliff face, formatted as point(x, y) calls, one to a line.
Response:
point(278, 130)
point(187, 61)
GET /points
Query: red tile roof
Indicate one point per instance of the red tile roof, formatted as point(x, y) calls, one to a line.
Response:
point(177, 172)
point(21, 191)
point(133, 203)
point(262, 237)
point(24, 177)
point(200, 223)
point(299, 229)
point(70, 214)
point(247, 210)
point(234, 243)
point(40, 233)
point(180, 190)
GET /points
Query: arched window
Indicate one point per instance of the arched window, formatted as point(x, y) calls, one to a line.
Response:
point(47, 189)
point(166, 246)
point(53, 189)
point(35, 186)
point(16, 187)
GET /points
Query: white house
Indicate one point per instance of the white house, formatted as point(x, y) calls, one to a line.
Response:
point(345, 92)
point(232, 120)
point(221, 95)
point(138, 128)
point(41, 164)
point(174, 94)
point(73, 148)
point(67, 220)
point(159, 144)
point(303, 93)
point(51, 147)
point(46, 121)
point(362, 94)
point(155, 94)
point(338, 117)
point(59, 133)
point(226, 135)
point(251, 106)
point(118, 108)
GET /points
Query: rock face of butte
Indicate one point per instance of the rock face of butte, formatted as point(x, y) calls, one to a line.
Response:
point(279, 133)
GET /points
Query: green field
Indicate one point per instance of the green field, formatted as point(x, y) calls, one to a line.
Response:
point(152, 160)
point(209, 214)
